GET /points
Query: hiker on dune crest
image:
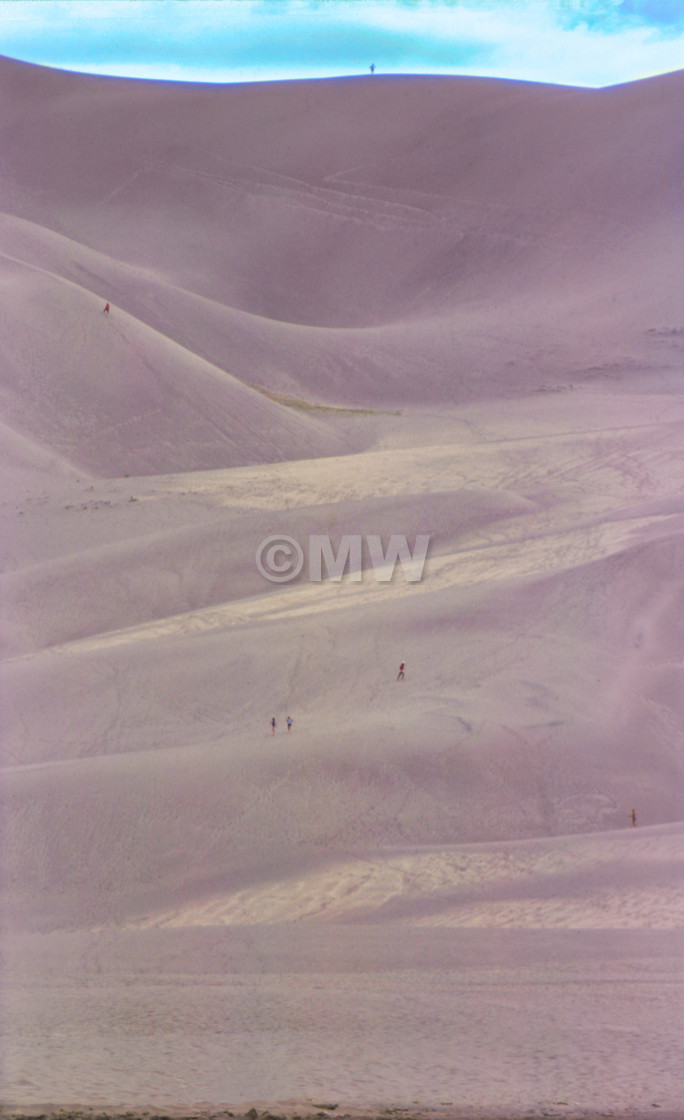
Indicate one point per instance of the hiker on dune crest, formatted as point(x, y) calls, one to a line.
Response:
point(105, 310)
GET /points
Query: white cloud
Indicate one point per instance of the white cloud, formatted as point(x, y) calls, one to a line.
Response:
point(577, 42)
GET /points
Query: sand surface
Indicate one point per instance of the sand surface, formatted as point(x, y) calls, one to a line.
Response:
point(449, 307)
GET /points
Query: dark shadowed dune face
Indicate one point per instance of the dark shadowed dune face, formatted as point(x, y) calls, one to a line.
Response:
point(347, 203)
point(366, 244)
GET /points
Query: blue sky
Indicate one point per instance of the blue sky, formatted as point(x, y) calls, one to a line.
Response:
point(571, 42)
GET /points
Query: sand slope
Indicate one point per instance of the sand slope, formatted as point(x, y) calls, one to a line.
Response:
point(371, 306)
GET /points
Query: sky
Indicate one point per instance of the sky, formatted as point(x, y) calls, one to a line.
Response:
point(567, 42)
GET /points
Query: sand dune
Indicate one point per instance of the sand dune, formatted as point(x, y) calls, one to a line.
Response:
point(448, 307)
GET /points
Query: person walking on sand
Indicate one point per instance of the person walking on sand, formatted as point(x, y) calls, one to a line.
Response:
point(273, 725)
point(105, 310)
point(400, 674)
point(633, 818)
point(289, 722)
point(372, 67)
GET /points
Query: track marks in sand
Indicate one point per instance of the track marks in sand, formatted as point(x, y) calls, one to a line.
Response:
point(351, 205)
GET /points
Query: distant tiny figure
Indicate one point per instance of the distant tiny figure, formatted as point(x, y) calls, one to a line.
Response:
point(273, 725)
point(106, 309)
point(633, 818)
point(372, 67)
point(289, 722)
point(400, 674)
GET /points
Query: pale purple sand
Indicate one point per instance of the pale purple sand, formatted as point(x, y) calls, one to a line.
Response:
point(368, 306)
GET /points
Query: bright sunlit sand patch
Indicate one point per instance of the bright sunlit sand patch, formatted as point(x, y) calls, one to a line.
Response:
point(594, 882)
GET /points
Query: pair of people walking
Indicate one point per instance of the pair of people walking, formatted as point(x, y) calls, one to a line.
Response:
point(274, 723)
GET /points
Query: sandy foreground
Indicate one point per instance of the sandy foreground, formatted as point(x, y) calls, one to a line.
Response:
point(378, 306)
